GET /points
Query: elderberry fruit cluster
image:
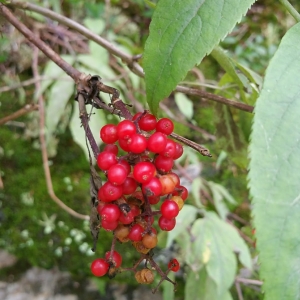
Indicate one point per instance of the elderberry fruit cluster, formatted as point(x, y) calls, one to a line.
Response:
point(140, 186)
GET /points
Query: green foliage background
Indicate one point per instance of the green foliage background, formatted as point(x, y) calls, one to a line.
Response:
point(40, 234)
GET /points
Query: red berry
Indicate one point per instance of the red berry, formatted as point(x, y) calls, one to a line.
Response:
point(153, 200)
point(169, 150)
point(99, 267)
point(124, 145)
point(137, 143)
point(109, 192)
point(109, 212)
point(169, 209)
point(135, 233)
point(157, 142)
point(106, 159)
point(166, 224)
point(179, 151)
point(163, 164)
point(129, 186)
point(165, 126)
point(108, 134)
point(174, 265)
point(117, 174)
point(181, 191)
point(152, 188)
point(143, 171)
point(116, 258)
point(136, 116)
point(109, 226)
point(125, 164)
point(147, 122)
point(134, 209)
point(128, 219)
point(111, 148)
point(125, 129)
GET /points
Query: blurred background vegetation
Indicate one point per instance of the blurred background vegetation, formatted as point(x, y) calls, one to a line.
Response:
point(32, 226)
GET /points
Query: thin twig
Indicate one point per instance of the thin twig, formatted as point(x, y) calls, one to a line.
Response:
point(44, 146)
point(249, 281)
point(25, 110)
point(132, 64)
point(72, 72)
point(239, 290)
point(1, 182)
point(197, 147)
point(216, 98)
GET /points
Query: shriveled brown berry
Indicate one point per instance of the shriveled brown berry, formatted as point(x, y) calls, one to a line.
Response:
point(138, 277)
point(147, 276)
point(140, 247)
point(121, 233)
point(149, 240)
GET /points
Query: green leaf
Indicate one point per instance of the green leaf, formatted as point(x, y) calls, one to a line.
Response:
point(214, 247)
point(274, 175)
point(96, 122)
point(185, 105)
point(199, 286)
point(181, 34)
point(228, 65)
point(58, 97)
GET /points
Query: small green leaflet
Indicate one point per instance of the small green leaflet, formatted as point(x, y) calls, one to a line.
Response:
point(274, 171)
point(181, 34)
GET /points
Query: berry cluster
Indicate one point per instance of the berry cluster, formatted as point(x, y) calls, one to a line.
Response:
point(140, 186)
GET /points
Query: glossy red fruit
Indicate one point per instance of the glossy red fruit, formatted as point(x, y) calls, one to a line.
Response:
point(143, 171)
point(153, 200)
point(117, 174)
point(157, 142)
point(137, 115)
point(124, 145)
point(147, 122)
point(169, 150)
point(128, 219)
point(109, 226)
point(129, 186)
point(106, 159)
point(125, 164)
point(152, 188)
point(111, 148)
point(135, 210)
point(174, 265)
point(135, 233)
point(178, 151)
point(166, 224)
point(163, 164)
point(169, 209)
point(108, 134)
point(137, 143)
point(99, 267)
point(109, 192)
point(109, 212)
point(116, 258)
point(181, 191)
point(125, 129)
point(165, 126)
